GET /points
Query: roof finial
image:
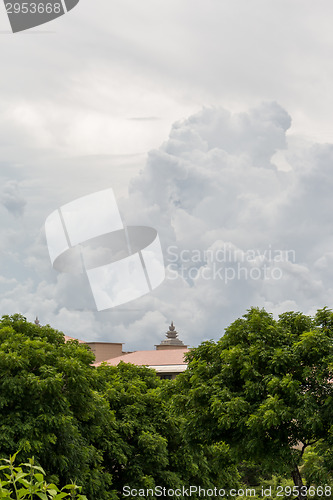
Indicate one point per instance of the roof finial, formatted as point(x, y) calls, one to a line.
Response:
point(172, 333)
point(171, 341)
point(37, 321)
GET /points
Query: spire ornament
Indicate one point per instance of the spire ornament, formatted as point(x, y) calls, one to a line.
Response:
point(172, 332)
point(172, 341)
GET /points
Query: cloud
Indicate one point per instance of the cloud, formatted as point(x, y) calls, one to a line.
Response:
point(238, 229)
point(11, 198)
point(212, 189)
point(133, 67)
point(78, 107)
point(214, 171)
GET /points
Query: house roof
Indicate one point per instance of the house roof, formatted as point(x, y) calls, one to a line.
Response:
point(168, 357)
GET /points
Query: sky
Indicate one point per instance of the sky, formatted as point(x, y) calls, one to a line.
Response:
point(210, 120)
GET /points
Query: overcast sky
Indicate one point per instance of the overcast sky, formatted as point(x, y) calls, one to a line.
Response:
point(210, 120)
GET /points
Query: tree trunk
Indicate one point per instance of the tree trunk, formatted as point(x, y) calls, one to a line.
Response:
point(298, 481)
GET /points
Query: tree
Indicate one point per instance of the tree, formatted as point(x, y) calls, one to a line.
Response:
point(48, 404)
point(154, 451)
point(103, 427)
point(265, 388)
point(26, 481)
point(318, 463)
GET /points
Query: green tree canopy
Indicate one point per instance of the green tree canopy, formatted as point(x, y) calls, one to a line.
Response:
point(48, 405)
point(154, 451)
point(265, 388)
point(103, 427)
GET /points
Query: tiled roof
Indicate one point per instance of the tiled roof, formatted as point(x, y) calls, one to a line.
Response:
point(151, 358)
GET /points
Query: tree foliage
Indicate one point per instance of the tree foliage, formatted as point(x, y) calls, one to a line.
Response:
point(260, 398)
point(103, 427)
point(48, 405)
point(27, 482)
point(265, 388)
point(153, 450)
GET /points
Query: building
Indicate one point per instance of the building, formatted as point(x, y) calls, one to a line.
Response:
point(168, 359)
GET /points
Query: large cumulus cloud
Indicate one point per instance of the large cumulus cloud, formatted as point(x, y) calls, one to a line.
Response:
point(243, 213)
point(239, 229)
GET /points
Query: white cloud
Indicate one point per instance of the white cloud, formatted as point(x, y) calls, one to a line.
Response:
point(11, 198)
point(211, 186)
point(76, 108)
point(236, 232)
